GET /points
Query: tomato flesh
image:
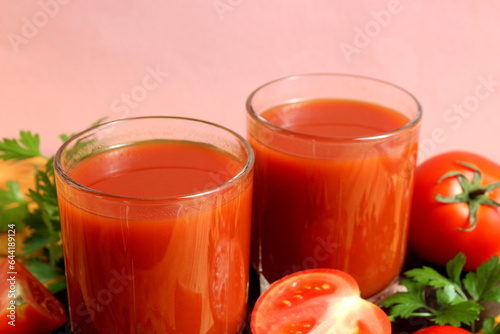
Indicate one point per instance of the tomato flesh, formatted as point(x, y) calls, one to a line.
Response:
point(36, 310)
point(317, 301)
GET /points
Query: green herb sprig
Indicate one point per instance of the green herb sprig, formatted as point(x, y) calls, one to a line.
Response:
point(36, 210)
point(454, 299)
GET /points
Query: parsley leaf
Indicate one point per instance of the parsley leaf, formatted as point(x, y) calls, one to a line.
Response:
point(454, 268)
point(27, 146)
point(44, 220)
point(455, 314)
point(484, 283)
point(37, 211)
point(429, 276)
point(489, 326)
point(454, 299)
point(406, 304)
point(53, 279)
point(13, 206)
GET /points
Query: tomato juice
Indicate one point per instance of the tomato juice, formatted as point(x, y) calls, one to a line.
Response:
point(333, 180)
point(156, 239)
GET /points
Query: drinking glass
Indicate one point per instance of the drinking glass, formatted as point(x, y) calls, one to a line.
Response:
point(334, 167)
point(155, 220)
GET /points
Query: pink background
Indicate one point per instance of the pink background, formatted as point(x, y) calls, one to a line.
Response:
point(66, 63)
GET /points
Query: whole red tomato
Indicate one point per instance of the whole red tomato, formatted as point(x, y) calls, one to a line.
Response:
point(27, 307)
point(455, 209)
point(442, 330)
point(317, 301)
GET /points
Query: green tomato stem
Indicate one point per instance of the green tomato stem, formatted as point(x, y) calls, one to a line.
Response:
point(473, 193)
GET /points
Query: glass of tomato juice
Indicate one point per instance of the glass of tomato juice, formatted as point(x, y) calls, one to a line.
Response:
point(334, 166)
point(155, 220)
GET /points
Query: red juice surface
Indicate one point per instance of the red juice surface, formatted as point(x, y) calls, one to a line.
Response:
point(150, 262)
point(337, 210)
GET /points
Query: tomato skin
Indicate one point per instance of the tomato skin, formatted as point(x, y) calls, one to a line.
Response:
point(442, 330)
point(317, 301)
point(39, 313)
point(434, 226)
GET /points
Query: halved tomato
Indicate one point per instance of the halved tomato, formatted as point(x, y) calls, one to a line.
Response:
point(317, 301)
point(27, 306)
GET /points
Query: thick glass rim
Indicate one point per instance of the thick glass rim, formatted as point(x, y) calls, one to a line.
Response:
point(59, 169)
point(253, 113)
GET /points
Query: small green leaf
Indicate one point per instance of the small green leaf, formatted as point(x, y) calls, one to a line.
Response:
point(43, 271)
point(13, 207)
point(13, 193)
point(454, 268)
point(493, 295)
point(489, 326)
point(14, 214)
point(57, 285)
point(448, 296)
point(36, 241)
point(52, 277)
point(405, 304)
point(27, 146)
point(482, 284)
point(429, 276)
point(465, 312)
point(64, 137)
